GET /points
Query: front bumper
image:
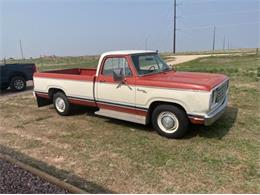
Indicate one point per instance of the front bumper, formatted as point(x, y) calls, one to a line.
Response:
point(210, 117)
point(214, 115)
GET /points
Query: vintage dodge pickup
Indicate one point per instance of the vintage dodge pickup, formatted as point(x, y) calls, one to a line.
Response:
point(137, 86)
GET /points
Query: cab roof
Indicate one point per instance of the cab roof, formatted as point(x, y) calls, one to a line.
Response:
point(127, 52)
point(121, 52)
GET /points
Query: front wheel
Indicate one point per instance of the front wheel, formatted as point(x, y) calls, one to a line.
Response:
point(170, 121)
point(61, 104)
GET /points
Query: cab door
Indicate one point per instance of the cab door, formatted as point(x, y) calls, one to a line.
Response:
point(111, 95)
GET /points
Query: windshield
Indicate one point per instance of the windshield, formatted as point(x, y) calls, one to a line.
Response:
point(149, 63)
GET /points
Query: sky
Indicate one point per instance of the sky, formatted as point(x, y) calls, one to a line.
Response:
point(89, 27)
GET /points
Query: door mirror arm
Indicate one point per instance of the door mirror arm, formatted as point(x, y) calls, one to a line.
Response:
point(118, 75)
point(119, 78)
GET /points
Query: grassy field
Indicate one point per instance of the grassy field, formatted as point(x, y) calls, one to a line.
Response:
point(53, 62)
point(243, 51)
point(106, 155)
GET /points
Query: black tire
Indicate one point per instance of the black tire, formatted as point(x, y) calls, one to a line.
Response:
point(63, 111)
point(18, 83)
point(178, 121)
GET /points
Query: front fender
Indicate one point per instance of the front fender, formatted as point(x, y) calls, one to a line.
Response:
point(169, 100)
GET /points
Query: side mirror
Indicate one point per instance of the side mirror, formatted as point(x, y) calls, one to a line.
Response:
point(118, 75)
point(173, 67)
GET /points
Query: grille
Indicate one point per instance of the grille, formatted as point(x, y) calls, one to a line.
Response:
point(221, 92)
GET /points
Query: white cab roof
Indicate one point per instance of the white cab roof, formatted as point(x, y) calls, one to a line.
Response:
point(127, 52)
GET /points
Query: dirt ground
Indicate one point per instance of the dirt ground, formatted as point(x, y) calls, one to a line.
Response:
point(10, 93)
point(179, 59)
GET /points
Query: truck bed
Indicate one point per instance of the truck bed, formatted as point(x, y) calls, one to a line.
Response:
point(77, 84)
point(71, 74)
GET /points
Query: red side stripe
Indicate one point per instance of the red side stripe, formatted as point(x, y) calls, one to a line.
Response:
point(100, 105)
point(82, 102)
point(43, 95)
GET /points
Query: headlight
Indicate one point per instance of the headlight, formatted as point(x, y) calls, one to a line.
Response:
point(218, 95)
point(213, 99)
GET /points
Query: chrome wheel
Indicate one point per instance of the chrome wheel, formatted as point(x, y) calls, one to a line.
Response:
point(60, 104)
point(168, 122)
point(18, 84)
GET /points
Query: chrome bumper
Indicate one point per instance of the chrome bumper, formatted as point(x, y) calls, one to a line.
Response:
point(214, 115)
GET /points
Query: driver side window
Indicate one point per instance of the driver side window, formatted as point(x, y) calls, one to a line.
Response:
point(112, 64)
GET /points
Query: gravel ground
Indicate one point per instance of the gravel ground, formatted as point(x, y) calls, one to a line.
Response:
point(13, 180)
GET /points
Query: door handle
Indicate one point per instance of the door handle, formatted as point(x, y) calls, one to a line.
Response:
point(102, 81)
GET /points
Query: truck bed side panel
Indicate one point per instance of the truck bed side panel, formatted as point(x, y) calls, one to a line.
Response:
point(78, 88)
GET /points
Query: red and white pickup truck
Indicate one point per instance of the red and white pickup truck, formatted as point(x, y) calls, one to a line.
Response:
point(137, 86)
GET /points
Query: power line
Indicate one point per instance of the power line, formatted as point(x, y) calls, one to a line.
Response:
point(224, 13)
point(219, 26)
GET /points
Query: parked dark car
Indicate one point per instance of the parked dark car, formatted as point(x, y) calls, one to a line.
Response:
point(15, 75)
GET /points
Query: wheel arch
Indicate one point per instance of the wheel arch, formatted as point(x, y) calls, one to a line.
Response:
point(15, 74)
point(156, 103)
point(53, 90)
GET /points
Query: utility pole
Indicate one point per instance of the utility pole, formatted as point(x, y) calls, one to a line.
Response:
point(174, 29)
point(21, 49)
point(228, 45)
point(214, 38)
point(224, 43)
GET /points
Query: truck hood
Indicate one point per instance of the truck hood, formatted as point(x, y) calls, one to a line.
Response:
point(183, 80)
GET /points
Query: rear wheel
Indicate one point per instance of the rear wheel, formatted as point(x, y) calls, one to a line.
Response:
point(18, 83)
point(170, 121)
point(61, 104)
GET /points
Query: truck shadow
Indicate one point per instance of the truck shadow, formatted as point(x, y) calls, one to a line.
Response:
point(79, 110)
point(90, 111)
point(217, 130)
point(87, 186)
